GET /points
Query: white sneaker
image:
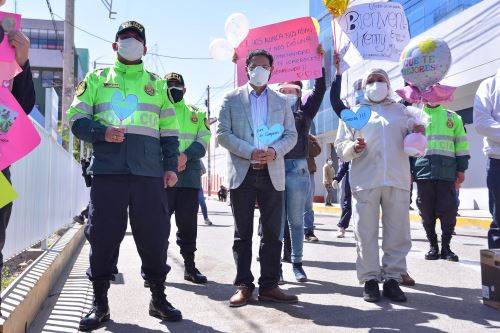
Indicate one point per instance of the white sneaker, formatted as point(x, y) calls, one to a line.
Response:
point(341, 233)
point(208, 222)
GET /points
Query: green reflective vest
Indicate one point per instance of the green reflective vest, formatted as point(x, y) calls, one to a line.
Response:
point(447, 146)
point(194, 138)
point(130, 97)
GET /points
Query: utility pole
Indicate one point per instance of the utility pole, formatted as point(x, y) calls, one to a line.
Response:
point(209, 173)
point(68, 65)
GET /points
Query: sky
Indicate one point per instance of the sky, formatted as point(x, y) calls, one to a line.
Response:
point(176, 28)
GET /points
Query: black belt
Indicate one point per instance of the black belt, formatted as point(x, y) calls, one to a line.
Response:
point(258, 166)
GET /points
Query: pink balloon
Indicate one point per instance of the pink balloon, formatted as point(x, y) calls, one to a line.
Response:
point(415, 144)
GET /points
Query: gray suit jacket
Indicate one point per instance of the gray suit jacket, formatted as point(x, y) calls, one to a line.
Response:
point(236, 134)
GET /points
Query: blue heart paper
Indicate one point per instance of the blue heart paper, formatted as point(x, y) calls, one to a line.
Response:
point(268, 135)
point(356, 119)
point(123, 107)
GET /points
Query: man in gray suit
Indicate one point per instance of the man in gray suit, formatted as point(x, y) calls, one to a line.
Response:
point(256, 172)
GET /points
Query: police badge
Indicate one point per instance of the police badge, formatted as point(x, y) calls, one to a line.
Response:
point(148, 88)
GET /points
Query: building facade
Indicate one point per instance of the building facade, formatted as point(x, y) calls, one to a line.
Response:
point(470, 27)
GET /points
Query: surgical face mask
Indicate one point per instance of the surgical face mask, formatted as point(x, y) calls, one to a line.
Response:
point(292, 99)
point(376, 91)
point(130, 49)
point(330, 162)
point(176, 94)
point(259, 76)
point(358, 96)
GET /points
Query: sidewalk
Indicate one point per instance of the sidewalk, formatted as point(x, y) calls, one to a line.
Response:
point(468, 218)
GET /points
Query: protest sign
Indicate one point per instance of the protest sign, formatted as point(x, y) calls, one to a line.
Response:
point(377, 31)
point(18, 136)
point(7, 193)
point(293, 45)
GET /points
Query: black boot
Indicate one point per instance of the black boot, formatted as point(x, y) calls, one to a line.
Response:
point(99, 312)
point(191, 273)
point(433, 253)
point(159, 307)
point(446, 252)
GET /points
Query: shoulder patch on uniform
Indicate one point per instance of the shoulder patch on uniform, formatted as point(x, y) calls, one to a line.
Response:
point(80, 88)
point(148, 88)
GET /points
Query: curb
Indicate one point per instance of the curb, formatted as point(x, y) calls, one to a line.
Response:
point(22, 300)
point(462, 221)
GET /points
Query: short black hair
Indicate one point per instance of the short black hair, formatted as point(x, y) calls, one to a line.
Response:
point(259, 52)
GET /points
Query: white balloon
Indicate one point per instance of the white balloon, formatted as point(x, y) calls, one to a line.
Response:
point(237, 28)
point(221, 49)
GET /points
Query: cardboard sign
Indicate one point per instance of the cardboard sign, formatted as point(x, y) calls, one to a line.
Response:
point(8, 22)
point(377, 31)
point(7, 193)
point(356, 118)
point(18, 136)
point(269, 135)
point(293, 45)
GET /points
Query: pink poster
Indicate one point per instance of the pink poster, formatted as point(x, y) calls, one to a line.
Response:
point(293, 45)
point(8, 22)
point(18, 136)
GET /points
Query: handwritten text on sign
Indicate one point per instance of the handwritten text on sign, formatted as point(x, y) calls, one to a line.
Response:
point(377, 30)
point(293, 45)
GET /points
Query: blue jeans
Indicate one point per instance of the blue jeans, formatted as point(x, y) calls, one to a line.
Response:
point(203, 205)
point(493, 183)
point(308, 210)
point(296, 180)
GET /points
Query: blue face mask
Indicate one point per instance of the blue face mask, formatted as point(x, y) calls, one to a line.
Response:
point(358, 96)
point(292, 99)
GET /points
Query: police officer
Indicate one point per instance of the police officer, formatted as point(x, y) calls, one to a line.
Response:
point(194, 136)
point(437, 174)
point(123, 110)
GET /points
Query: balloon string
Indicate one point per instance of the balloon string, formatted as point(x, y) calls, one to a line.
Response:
point(334, 37)
point(235, 67)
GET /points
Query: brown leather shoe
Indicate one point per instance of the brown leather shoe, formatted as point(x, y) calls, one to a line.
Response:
point(277, 295)
point(407, 280)
point(241, 297)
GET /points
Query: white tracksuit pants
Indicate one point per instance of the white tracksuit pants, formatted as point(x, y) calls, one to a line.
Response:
point(396, 238)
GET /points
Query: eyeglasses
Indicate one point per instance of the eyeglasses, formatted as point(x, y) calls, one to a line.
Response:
point(266, 67)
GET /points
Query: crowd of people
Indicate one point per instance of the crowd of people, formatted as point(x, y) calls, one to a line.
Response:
point(146, 166)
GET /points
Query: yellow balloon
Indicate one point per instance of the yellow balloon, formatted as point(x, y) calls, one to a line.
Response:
point(336, 7)
point(316, 24)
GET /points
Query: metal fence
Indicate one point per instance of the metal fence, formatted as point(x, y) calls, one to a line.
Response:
point(51, 191)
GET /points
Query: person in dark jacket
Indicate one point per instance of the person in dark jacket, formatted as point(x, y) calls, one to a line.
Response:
point(345, 217)
point(24, 92)
point(296, 170)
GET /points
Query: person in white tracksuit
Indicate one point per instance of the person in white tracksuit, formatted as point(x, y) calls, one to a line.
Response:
point(380, 178)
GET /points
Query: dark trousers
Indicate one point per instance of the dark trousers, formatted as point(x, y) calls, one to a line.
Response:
point(184, 203)
point(287, 242)
point(437, 199)
point(257, 186)
point(345, 217)
point(146, 201)
point(493, 183)
point(85, 212)
point(4, 221)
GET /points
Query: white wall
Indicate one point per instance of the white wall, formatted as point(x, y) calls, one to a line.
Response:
point(51, 191)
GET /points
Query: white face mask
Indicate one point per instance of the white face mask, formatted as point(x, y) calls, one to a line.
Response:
point(376, 91)
point(130, 49)
point(292, 99)
point(259, 76)
point(330, 162)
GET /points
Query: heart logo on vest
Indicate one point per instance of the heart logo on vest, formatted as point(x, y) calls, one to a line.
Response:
point(358, 118)
point(123, 107)
point(269, 135)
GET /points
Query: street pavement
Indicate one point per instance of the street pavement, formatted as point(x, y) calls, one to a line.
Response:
point(447, 297)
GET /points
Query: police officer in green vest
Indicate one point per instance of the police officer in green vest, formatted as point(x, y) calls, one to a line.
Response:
point(124, 112)
point(194, 137)
point(438, 173)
